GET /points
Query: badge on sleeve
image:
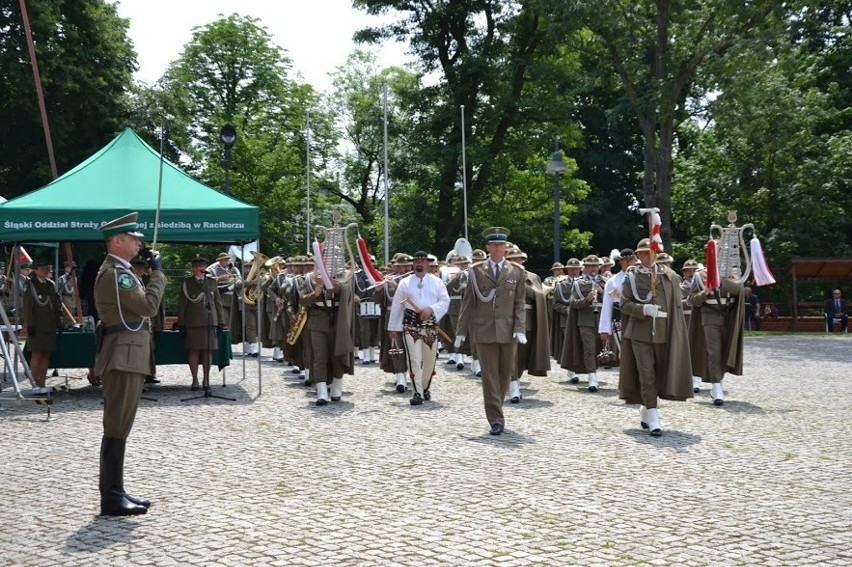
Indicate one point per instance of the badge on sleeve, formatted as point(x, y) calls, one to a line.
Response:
point(126, 281)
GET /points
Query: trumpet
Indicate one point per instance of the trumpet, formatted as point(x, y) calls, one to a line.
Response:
point(390, 278)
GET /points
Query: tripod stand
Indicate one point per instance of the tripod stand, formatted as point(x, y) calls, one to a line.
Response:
point(206, 283)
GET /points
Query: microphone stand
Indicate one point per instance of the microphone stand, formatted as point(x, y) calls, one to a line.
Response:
point(208, 393)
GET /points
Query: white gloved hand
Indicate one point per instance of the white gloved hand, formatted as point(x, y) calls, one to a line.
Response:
point(459, 340)
point(521, 338)
point(650, 310)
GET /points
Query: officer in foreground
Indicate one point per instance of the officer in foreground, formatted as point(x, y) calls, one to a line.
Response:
point(126, 353)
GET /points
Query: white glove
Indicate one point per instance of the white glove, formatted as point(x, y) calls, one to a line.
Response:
point(650, 310)
point(521, 338)
point(459, 340)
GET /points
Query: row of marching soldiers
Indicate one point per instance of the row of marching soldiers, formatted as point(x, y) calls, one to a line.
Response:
point(573, 316)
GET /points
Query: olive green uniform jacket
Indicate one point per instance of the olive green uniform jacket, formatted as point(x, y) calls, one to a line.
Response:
point(674, 375)
point(120, 294)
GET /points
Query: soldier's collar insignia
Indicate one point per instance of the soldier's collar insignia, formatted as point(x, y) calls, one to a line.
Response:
point(126, 281)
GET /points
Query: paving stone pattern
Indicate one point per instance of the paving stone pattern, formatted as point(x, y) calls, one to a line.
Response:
point(275, 480)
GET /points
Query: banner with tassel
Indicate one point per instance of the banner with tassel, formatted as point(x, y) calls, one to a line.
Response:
point(760, 269)
point(711, 264)
point(319, 263)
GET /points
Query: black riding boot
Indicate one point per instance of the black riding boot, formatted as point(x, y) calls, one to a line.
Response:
point(114, 502)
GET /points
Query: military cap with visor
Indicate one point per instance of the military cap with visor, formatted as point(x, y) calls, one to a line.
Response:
point(122, 225)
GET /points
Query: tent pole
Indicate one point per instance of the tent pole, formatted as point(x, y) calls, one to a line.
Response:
point(259, 331)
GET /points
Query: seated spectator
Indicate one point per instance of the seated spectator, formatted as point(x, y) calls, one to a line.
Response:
point(836, 309)
point(770, 311)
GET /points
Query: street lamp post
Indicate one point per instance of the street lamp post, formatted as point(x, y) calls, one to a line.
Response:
point(556, 168)
point(228, 135)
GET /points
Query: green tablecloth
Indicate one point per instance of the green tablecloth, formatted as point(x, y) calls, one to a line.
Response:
point(76, 349)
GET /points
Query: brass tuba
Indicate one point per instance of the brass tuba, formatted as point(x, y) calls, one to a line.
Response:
point(250, 290)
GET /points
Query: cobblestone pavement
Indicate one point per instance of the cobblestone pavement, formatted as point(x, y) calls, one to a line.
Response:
point(275, 480)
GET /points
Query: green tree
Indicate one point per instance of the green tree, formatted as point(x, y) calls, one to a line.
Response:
point(232, 72)
point(85, 62)
point(356, 175)
point(655, 48)
point(499, 61)
point(776, 144)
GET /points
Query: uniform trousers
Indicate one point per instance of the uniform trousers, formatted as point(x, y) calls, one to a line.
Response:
point(714, 339)
point(421, 357)
point(324, 365)
point(497, 361)
point(121, 392)
point(650, 364)
point(251, 324)
point(589, 337)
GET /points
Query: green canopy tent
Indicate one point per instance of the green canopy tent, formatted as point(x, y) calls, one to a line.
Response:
point(124, 176)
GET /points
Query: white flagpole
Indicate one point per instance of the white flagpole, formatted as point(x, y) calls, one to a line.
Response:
point(308, 182)
point(464, 173)
point(159, 187)
point(387, 190)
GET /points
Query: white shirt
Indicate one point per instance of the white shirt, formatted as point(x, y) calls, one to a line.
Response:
point(612, 295)
point(433, 293)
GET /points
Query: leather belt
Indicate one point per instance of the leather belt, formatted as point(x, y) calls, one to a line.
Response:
point(112, 329)
point(720, 301)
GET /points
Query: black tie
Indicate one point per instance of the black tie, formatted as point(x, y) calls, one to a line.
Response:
point(837, 305)
point(496, 271)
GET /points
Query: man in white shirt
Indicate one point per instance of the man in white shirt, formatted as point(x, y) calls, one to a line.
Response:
point(420, 301)
point(610, 310)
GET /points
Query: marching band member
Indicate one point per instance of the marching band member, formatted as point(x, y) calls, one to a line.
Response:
point(691, 283)
point(561, 305)
point(579, 351)
point(40, 305)
point(456, 282)
point(610, 319)
point(534, 356)
point(276, 291)
point(249, 312)
point(125, 355)
point(229, 283)
point(420, 301)
point(368, 319)
point(607, 264)
point(715, 333)
point(65, 286)
point(493, 313)
point(330, 327)
point(200, 315)
point(300, 353)
point(655, 352)
point(549, 285)
point(383, 296)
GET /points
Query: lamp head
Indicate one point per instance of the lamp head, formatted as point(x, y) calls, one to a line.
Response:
point(557, 165)
point(228, 136)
